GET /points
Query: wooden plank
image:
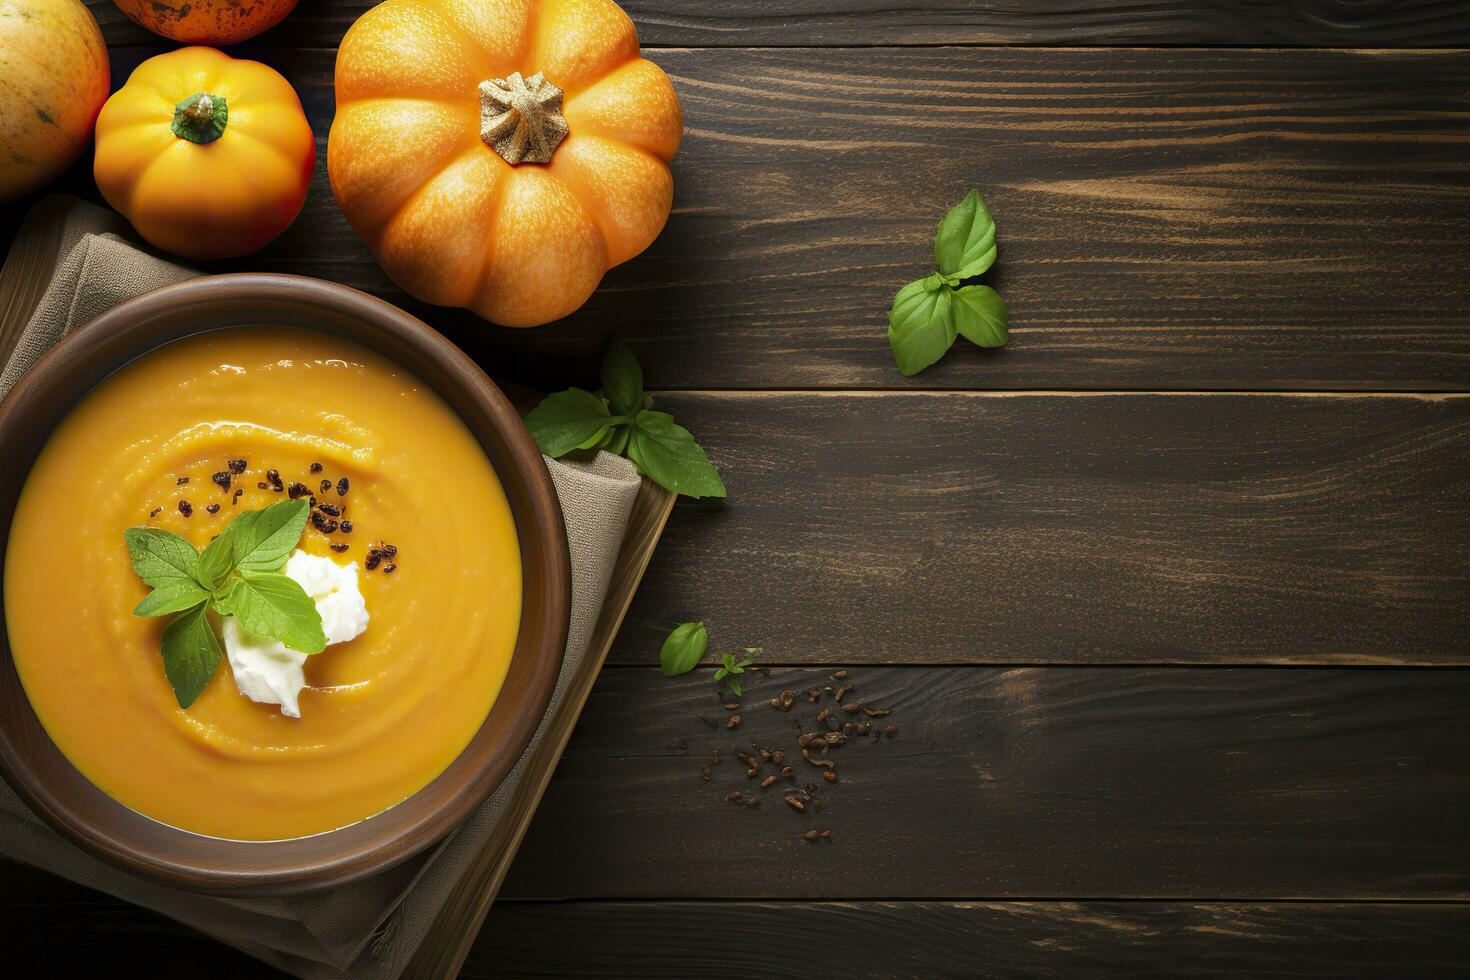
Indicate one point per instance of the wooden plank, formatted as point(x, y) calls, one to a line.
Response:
point(1168, 783)
point(1083, 528)
point(991, 939)
point(1168, 220)
point(786, 23)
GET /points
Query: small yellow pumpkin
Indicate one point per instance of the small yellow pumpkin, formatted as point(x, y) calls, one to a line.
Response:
point(53, 79)
point(501, 155)
point(208, 156)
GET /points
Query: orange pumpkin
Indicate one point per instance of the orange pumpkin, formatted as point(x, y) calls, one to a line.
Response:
point(207, 21)
point(208, 156)
point(502, 154)
point(53, 79)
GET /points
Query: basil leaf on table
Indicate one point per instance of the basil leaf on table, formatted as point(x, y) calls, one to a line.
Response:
point(684, 648)
point(964, 246)
point(277, 606)
point(980, 316)
point(920, 325)
point(191, 652)
point(568, 419)
point(622, 379)
point(668, 454)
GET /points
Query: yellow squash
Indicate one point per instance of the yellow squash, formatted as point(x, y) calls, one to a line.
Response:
point(502, 154)
point(208, 156)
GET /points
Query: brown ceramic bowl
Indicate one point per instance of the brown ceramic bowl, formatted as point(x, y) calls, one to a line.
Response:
point(43, 777)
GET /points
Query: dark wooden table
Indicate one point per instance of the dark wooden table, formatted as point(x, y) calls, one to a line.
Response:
point(1170, 598)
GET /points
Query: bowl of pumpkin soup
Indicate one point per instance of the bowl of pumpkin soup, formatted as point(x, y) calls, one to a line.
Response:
point(285, 586)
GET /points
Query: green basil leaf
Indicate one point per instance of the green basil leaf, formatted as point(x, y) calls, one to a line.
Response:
point(622, 378)
point(277, 606)
point(262, 540)
point(980, 315)
point(217, 560)
point(566, 420)
point(159, 556)
point(599, 437)
point(683, 649)
point(734, 686)
point(921, 325)
point(669, 456)
point(171, 596)
point(964, 246)
point(191, 652)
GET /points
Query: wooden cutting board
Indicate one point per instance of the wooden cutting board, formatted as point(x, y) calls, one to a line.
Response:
point(23, 279)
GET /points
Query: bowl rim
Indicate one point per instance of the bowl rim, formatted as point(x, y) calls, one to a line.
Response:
point(545, 536)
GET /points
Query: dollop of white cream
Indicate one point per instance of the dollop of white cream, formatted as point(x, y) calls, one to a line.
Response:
point(268, 671)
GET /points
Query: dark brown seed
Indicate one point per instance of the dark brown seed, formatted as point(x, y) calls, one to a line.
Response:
point(704, 772)
point(817, 761)
point(815, 694)
point(795, 803)
point(213, 508)
point(752, 800)
point(788, 772)
point(677, 743)
point(825, 835)
point(155, 512)
point(835, 738)
point(345, 527)
point(847, 726)
point(339, 548)
point(326, 485)
point(877, 712)
point(732, 706)
point(778, 757)
point(273, 477)
point(342, 486)
point(714, 757)
point(237, 466)
point(891, 731)
point(331, 510)
point(775, 702)
point(260, 486)
point(222, 479)
point(733, 796)
point(839, 675)
point(185, 508)
point(788, 698)
point(181, 481)
point(236, 498)
point(734, 722)
point(372, 560)
point(861, 728)
point(389, 568)
point(824, 714)
point(811, 836)
point(841, 692)
point(764, 754)
point(850, 708)
point(316, 467)
point(296, 490)
point(765, 783)
point(830, 775)
point(389, 550)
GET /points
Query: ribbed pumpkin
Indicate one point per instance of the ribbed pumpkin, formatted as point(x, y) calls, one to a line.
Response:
point(501, 155)
point(207, 21)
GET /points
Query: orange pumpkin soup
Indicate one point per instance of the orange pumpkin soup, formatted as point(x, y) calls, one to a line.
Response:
point(382, 714)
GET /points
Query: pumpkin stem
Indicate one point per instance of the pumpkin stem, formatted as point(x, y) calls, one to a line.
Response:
point(520, 118)
point(201, 118)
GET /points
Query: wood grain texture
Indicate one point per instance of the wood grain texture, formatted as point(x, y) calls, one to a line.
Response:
point(967, 939)
point(1168, 220)
point(786, 23)
point(1048, 528)
point(1025, 783)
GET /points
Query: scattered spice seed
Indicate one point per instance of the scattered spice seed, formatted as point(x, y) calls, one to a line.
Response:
point(186, 508)
point(766, 783)
point(824, 714)
point(372, 560)
point(261, 485)
point(817, 761)
point(815, 694)
point(222, 479)
point(777, 757)
point(732, 706)
point(851, 709)
point(839, 675)
point(861, 728)
point(830, 775)
point(389, 550)
point(236, 498)
point(752, 800)
point(181, 481)
point(213, 508)
point(704, 772)
point(273, 477)
point(877, 712)
point(316, 467)
point(389, 569)
point(788, 772)
point(345, 527)
point(842, 691)
point(331, 510)
point(714, 757)
point(155, 512)
point(825, 835)
point(296, 490)
point(342, 486)
point(795, 802)
point(788, 698)
point(811, 836)
point(891, 731)
point(733, 796)
point(339, 548)
point(326, 485)
point(237, 466)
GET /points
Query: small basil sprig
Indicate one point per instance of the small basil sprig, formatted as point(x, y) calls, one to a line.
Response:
point(238, 574)
point(620, 419)
point(684, 649)
point(928, 314)
point(731, 665)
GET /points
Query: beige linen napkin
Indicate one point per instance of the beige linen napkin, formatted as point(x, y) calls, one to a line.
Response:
point(369, 930)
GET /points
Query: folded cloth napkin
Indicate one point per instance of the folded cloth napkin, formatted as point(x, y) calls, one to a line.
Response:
point(371, 929)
